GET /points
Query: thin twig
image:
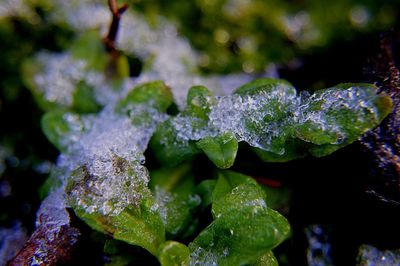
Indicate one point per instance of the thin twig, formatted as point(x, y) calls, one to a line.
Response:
point(109, 40)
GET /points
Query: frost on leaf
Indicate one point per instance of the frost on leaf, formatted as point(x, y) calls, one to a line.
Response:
point(270, 116)
point(106, 183)
point(158, 45)
point(61, 80)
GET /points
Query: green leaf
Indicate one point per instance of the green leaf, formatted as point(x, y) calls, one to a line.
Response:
point(220, 150)
point(173, 253)
point(240, 237)
point(241, 196)
point(90, 48)
point(234, 191)
point(264, 85)
point(153, 94)
point(268, 259)
point(174, 191)
point(227, 181)
point(294, 149)
point(205, 190)
point(270, 116)
point(30, 68)
point(199, 101)
point(59, 126)
point(170, 143)
point(336, 117)
point(244, 228)
point(84, 100)
point(168, 149)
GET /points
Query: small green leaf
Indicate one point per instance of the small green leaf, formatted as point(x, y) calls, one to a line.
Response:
point(244, 228)
point(205, 190)
point(227, 181)
point(239, 237)
point(170, 141)
point(220, 150)
point(264, 85)
point(90, 48)
point(174, 191)
point(199, 101)
point(294, 149)
point(173, 253)
point(153, 94)
point(58, 126)
point(241, 196)
point(84, 100)
point(335, 117)
point(268, 259)
point(168, 149)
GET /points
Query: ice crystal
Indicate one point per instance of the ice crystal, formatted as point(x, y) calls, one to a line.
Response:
point(53, 221)
point(53, 213)
point(267, 118)
point(319, 250)
point(369, 256)
point(11, 241)
point(59, 76)
point(108, 153)
point(170, 57)
point(163, 198)
point(16, 8)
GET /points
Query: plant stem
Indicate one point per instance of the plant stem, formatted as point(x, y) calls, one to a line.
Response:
point(109, 40)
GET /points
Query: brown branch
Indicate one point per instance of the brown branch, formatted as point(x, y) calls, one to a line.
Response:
point(382, 143)
point(109, 40)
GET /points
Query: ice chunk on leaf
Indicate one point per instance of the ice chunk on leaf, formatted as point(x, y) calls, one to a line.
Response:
point(338, 116)
point(244, 228)
point(173, 253)
point(107, 186)
point(169, 149)
point(174, 139)
point(258, 113)
point(57, 80)
point(118, 203)
point(174, 191)
point(270, 116)
point(108, 191)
